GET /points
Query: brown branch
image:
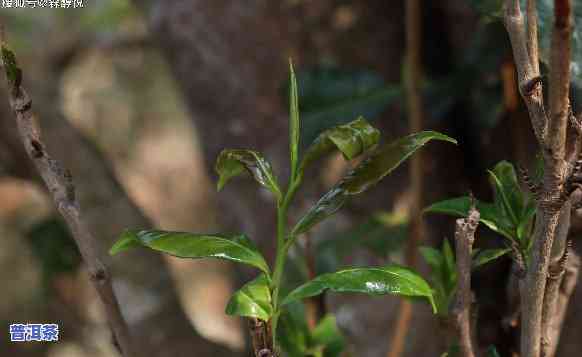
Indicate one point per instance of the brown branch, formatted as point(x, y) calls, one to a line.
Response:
point(553, 192)
point(561, 282)
point(559, 86)
point(532, 36)
point(563, 287)
point(261, 337)
point(460, 310)
point(415, 119)
point(530, 83)
point(60, 185)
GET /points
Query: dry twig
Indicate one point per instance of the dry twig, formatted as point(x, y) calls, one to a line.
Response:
point(60, 185)
point(460, 310)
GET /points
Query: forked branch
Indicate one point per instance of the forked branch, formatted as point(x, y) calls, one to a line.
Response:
point(60, 185)
point(553, 209)
point(525, 53)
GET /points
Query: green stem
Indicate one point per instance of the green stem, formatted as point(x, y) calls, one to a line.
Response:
point(279, 265)
point(282, 249)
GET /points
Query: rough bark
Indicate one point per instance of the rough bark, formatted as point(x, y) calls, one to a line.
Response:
point(551, 135)
point(461, 308)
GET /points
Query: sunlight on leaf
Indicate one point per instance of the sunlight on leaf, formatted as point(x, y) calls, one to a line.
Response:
point(236, 248)
point(252, 300)
point(231, 163)
point(366, 175)
point(393, 279)
point(352, 139)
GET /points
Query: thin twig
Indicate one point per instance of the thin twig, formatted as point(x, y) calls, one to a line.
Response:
point(60, 185)
point(415, 107)
point(460, 310)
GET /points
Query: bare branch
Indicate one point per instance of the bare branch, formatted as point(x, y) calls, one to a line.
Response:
point(261, 337)
point(559, 86)
point(461, 308)
point(530, 83)
point(532, 36)
point(573, 145)
point(562, 279)
point(60, 185)
point(552, 137)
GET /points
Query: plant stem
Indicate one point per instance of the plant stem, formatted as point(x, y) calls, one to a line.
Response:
point(282, 249)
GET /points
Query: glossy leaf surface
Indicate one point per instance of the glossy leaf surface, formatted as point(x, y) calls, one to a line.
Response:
point(393, 279)
point(237, 248)
point(231, 163)
point(252, 300)
point(294, 124)
point(364, 176)
point(352, 140)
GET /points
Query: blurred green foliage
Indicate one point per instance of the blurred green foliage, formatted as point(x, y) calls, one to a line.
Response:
point(54, 248)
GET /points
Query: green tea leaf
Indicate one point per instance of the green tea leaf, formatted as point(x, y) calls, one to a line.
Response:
point(449, 256)
point(252, 300)
point(449, 269)
point(439, 278)
point(293, 333)
point(526, 222)
point(332, 96)
point(488, 255)
point(352, 140)
point(236, 248)
point(507, 191)
point(294, 124)
point(392, 279)
point(433, 257)
point(327, 337)
point(364, 176)
point(490, 215)
point(386, 159)
point(232, 163)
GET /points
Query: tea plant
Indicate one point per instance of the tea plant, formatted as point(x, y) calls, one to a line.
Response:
point(510, 215)
point(261, 299)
